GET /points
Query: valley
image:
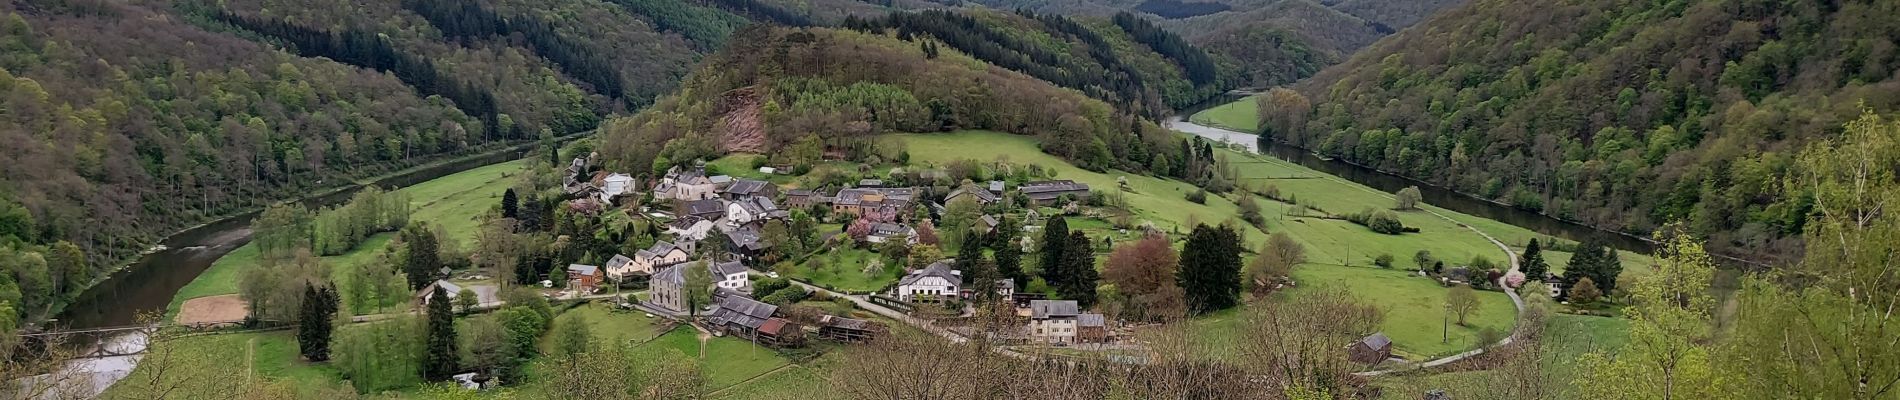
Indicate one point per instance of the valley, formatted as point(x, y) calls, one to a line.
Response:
point(839, 199)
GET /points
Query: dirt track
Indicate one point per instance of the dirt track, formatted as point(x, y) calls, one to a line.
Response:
point(221, 308)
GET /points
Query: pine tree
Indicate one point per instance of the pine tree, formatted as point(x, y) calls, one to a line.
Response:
point(314, 327)
point(1078, 268)
point(441, 357)
point(1533, 262)
point(1210, 269)
point(1055, 237)
point(1009, 264)
point(509, 204)
point(422, 259)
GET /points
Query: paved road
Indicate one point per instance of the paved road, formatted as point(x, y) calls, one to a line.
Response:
point(1247, 139)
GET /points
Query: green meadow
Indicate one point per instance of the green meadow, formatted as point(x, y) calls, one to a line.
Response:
point(454, 202)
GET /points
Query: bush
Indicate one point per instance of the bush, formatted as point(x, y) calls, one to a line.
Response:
point(1198, 196)
point(1383, 261)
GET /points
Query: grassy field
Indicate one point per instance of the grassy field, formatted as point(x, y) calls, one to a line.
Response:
point(1338, 251)
point(269, 355)
point(1414, 311)
point(1240, 115)
point(842, 268)
point(1163, 202)
point(724, 361)
point(452, 201)
point(609, 326)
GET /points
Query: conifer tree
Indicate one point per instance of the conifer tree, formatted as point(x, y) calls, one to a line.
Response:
point(1055, 238)
point(1078, 269)
point(441, 358)
point(1533, 262)
point(510, 205)
point(1210, 269)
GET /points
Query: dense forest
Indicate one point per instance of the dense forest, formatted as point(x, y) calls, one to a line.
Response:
point(1127, 61)
point(788, 91)
point(146, 117)
point(1623, 115)
point(122, 124)
point(1179, 9)
point(1278, 42)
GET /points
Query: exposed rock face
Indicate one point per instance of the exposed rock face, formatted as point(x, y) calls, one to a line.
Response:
point(739, 124)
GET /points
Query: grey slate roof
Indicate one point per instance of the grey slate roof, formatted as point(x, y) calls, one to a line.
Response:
point(583, 269)
point(727, 268)
point(705, 207)
point(996, 187)
point(1091, 319)
point(671, 275)
point(450, 288)
point(659, 249)
point(939, 269)
point(734, 308)
point(619, 260)
point(745, 187)
point(982, 196)
point(1051, 189)
point(1046, 309)
point(1376, 341)
point(747, 239)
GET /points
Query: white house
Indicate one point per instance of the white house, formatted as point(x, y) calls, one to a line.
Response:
point(615, 185)
point(730, 275)
point(645, 261)
point(669, 288)
point(694, 186)
point(931, 284)
point(749, 209)
point(1053, 321)
point(884, 231)
point(690, 228)
point(618, 267)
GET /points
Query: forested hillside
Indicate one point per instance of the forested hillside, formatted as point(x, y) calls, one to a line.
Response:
point(1281, 41)
point(123, 123)
point(1126, 61)
point(1257, 43)
point(1625, 115)
point(795, 92)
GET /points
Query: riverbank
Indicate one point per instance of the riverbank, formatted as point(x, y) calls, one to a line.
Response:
point(453, 202)
point(148, 282)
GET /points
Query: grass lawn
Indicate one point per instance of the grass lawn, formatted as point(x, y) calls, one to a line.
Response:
point(270, 355)
point(1240, 115)
point(607, 325)
point(724, 361)
point(1414, 308)
point(452, 201)
point(842, 268)
point(739, 166)
point(1566, 338)
point(808, 381)
point(1161, 201)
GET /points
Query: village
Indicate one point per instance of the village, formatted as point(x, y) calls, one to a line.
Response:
point(695, 207)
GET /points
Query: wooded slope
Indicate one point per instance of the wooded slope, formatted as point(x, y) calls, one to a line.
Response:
point(1625, 114)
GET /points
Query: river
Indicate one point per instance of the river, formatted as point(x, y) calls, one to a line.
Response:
point(1434, 195)
point(147, 285)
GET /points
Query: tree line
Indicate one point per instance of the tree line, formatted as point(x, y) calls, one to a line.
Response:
point(1091, 63)
point(126, 123)
point(1200, 68)
point(369, 50)
point(1616, 132)
point(469, 20)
